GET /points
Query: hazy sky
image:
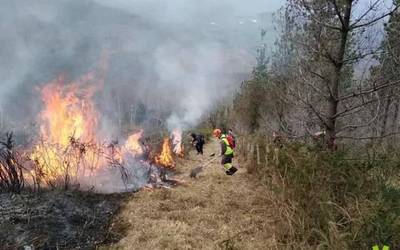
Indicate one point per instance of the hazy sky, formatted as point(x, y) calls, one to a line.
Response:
point(157, 45)
point(181, 10)
point(178, 52)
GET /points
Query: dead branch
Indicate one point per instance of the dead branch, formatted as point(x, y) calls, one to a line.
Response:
point(368, 137)
point(368, 91)
point(353, 126)
point(361, 17)
point(373, 21)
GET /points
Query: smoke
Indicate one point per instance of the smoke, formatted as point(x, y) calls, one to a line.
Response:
point(167, 60)
point(158, 64)
point(130, 177)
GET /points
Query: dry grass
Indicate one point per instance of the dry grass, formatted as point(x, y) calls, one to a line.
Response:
point(214, 211)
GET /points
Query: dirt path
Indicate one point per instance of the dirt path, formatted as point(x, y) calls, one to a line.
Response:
point(214, 211)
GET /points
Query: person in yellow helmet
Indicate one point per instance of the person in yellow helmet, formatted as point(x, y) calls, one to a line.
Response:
point(227, 152)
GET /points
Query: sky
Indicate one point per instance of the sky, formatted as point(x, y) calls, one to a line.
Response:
point(183, 9)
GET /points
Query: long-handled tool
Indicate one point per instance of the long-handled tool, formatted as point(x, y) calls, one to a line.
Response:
point(197, 170)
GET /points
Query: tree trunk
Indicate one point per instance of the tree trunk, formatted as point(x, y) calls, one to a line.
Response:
point(333, 101)
point(385, 117)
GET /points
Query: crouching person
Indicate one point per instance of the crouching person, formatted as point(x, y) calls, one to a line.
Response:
point(226, 152)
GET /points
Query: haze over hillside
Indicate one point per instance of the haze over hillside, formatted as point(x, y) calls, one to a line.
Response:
point(152, 49)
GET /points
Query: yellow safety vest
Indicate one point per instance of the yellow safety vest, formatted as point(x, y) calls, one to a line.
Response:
point(229, 150)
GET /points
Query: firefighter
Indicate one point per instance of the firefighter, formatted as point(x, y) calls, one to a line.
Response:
point(226, 152)
point(198, 142)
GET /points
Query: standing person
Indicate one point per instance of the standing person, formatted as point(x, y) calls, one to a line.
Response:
point(198, 142)
point(226, 152)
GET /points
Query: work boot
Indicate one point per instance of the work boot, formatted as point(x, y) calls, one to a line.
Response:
point(231, 171)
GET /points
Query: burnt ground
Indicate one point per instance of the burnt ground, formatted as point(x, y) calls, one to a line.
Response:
point(58, 220)
point(212, 211)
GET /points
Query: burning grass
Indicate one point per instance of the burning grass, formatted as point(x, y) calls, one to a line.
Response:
point(68, 157)
point(70, 153)
point(165, 158)
point(68, 147)
point(214, 211)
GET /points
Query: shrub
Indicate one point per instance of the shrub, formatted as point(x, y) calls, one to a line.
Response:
point(331, 200)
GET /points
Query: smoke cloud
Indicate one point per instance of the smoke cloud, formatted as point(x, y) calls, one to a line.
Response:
point(167, 61)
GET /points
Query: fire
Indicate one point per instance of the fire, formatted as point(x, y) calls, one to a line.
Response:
point(69, 150)
point(133, 145)
point(165, 157)
point(50, 166)
point(178, 148)
point(68, 112)
point(68, 119)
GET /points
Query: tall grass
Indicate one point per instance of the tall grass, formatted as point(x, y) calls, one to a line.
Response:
point(57, 167)
point(11, 169)
point(330, 200)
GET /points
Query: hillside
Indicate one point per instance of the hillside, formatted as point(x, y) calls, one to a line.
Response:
point(211, 212)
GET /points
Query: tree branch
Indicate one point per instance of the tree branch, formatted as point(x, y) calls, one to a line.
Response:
point(338, 12)
point(368, 137)
point(305, 5)
point(353, 26)
point(366, 12)
point(353, 126)
point(369, 91)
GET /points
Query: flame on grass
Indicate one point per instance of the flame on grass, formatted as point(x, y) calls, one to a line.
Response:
point(68, 123)
point(165, 158)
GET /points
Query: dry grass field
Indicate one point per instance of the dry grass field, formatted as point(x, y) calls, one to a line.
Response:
point(214, 211)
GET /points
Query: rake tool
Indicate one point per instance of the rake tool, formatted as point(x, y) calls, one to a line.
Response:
point(197, 170)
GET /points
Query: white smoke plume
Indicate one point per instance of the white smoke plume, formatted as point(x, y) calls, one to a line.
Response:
point(163, 64)
point(177, 55)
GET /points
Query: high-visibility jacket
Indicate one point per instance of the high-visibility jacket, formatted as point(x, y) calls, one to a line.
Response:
point(229, 150)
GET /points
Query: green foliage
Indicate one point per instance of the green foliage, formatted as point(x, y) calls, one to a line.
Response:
point(247, 104)
point(252, 93)
point(260, 72)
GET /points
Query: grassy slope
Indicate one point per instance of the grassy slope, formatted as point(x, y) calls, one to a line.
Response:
point(211, 212)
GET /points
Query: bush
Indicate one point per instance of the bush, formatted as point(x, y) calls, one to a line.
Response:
point(331, 200)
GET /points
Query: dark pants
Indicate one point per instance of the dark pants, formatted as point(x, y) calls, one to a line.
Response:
point(227, 161)
point(199, 148)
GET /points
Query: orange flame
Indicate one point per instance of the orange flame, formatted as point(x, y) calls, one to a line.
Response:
point(69, 145)
point(165, 158)
point(133, 145)
point(68, 118)
point(69, 112)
